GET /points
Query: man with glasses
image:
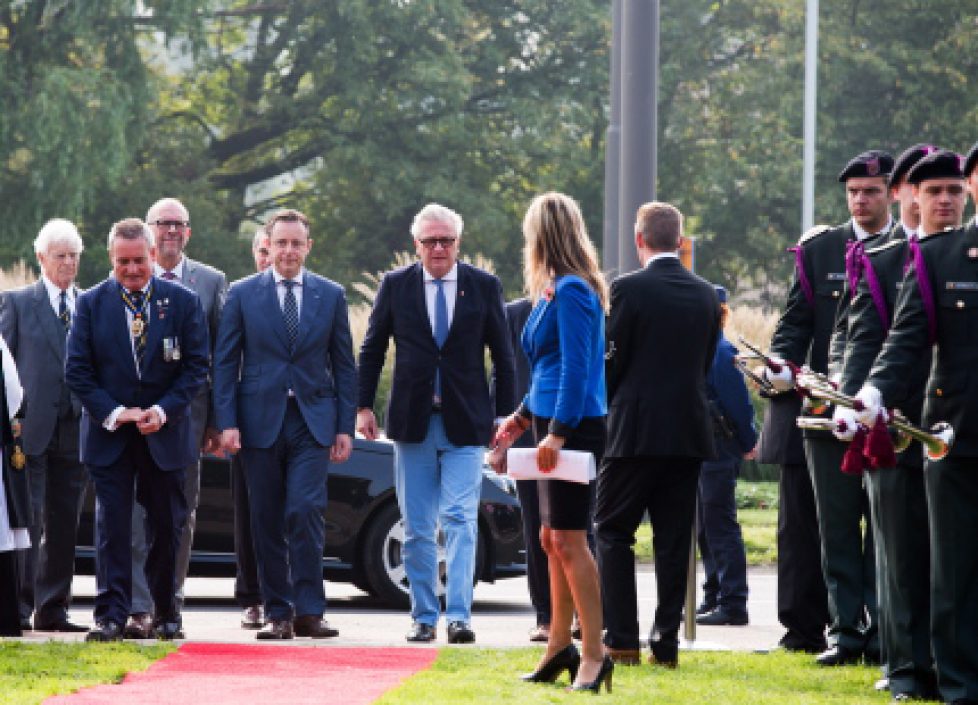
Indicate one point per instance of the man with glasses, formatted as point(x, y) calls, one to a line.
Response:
point(284, 388)
point(170, 222)
point(442, 315)
point(35, 321)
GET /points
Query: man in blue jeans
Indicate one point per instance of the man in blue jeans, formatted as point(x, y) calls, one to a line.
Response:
point(442, 314)
point(719, 535)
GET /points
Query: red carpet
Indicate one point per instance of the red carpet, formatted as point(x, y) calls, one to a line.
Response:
point(236, 674)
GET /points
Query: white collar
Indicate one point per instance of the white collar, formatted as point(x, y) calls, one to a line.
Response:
point(177, 271)
point(662, 255)
point(54, 293)
point(862, 234)
point(279, 278)
point(450, 276)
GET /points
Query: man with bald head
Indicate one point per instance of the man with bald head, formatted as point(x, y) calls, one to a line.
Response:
point(34, 321)
point(170, 221)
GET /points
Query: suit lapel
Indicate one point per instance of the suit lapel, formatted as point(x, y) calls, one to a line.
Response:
point(48, 322)
point(270, 306)
point(421, 301)
point(463, 299)
point(154, 333)
point(312, 301)
point(189, 278)
point(115, 315)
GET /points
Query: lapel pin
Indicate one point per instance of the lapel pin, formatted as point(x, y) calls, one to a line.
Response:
point(973, 252)
point(461, 293)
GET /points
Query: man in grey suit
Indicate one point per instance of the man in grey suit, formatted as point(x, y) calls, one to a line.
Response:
point(34, 321)
point(170, 221)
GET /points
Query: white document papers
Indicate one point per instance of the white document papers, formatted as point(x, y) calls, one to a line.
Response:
point(572, 466)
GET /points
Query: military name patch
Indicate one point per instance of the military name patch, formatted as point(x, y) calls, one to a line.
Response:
point(836, 276)
point(965, 286)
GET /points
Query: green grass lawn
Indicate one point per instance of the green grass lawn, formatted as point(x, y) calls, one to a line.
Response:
point(757, 510)
point(473, 676)
point(29, 673)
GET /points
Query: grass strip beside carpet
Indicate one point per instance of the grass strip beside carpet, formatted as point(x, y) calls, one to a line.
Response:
point(476, 676)
point(30, 672)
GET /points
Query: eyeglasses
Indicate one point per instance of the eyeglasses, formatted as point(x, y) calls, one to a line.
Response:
point(431, 242)
point(175, 224)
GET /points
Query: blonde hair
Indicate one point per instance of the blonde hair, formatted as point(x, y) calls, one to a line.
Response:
point(557, 243)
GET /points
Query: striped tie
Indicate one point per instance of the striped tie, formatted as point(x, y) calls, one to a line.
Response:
point(64, 313)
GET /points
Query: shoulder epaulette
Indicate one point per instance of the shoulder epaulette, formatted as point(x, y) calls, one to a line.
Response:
point(813, 233)
point(884, 247)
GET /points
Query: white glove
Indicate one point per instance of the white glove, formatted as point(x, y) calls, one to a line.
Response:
point(872, 400)
point(782, 381)
point(845, 422)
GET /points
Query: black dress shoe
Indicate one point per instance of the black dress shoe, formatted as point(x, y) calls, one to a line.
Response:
point(276, 629)
point(106, 630)
point(460, 633)
point(168, 630)
point(421, 632)
point(838, 656)
point(25, 624)
point(604, 676)
point(251, 617)
point(795, 643)
point(722, 618)
point(62, 625)
point(567, 659)
point(313, 626)
point(706, 606)
point(665, 651)
point(139, 626)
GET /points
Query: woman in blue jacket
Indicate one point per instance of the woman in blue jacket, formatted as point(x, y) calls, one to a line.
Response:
point(566, 406)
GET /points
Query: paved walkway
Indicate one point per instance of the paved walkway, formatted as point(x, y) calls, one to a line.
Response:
point(502, 615)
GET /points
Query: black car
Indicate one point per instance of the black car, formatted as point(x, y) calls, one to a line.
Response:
point(364, 533)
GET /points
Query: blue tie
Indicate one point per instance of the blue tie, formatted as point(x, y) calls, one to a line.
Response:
point(290, 309)
point(441, 327)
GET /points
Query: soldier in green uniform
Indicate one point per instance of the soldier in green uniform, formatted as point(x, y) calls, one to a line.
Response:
point(896, 495)
point(937, 308)
point(817, 296)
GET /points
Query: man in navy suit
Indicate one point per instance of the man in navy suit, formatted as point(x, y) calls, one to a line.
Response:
point(137, 354)
point(442, 315)
point(284, 386)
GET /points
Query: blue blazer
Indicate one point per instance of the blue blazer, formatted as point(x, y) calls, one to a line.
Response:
point(101, 371)
point(725, 385)
point(254, 369)
point(564, 341)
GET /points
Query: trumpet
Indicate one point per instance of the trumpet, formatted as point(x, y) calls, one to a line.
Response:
point(901, 441)
point(742, 362)
point(936, 443)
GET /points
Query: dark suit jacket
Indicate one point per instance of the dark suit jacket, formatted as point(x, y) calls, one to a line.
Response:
point(252, 341)
point(951, 259)
point(36, 338)
point(662, 334)
point(479, 321)
point(101, 371)
point(516, 314)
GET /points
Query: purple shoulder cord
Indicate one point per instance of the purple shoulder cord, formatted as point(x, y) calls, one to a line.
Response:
point(876, 291)
point(926, 293)
point(855, 261)
point(806, 286)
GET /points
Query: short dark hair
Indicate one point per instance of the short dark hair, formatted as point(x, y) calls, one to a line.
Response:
point(661, 224)
point(286, 215)
point(131, 229)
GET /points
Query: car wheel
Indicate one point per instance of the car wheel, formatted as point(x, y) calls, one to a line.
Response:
point(383, 559)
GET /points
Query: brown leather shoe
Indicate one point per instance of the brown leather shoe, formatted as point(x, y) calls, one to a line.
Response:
point(624, 657)
point(276, 629)
point(316, 627)
point(139, 626)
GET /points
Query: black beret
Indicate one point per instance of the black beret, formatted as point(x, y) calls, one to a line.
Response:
point(941, 164)
point(971, 161)
point(871, 163)
point(907, 159)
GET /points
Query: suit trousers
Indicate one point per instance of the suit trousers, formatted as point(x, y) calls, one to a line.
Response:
point(9, 589)
point(898, 505)
point(287, 488)
point(439, 484)
point(160, 492)
point(57, 482)
point(665, 487)
point(802, 598)
point(952, 505)
point(247, 592)
point(720, 537)
point(848, 558)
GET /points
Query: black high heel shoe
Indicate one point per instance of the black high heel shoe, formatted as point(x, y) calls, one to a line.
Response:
point(604, 676)
point(566, 659)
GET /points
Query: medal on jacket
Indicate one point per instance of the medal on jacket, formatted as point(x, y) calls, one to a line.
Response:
point(138, 306)
point(17, 458)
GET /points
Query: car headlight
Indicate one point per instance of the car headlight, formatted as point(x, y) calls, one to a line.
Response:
point(503, 482)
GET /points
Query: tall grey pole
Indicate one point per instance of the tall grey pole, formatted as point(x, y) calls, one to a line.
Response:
point(612, 153)
point(639, 92)
point(811, 81)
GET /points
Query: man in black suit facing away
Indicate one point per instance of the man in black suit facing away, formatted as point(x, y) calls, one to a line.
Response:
point(662, 334)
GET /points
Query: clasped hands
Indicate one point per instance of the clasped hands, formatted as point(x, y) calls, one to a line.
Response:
point(146, 420)
point(512, 427)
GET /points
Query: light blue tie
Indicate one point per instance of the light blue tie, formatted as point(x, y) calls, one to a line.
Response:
point(441, 327)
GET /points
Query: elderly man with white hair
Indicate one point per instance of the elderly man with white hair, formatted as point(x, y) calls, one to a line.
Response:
point(35, 321)
point(442, 314)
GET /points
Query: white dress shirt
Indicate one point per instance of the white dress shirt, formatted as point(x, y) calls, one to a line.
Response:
point(662, 255)
point(450, 285)
point(862, 234)
point(177, 271)
point(296, 290)
point(54, 296)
